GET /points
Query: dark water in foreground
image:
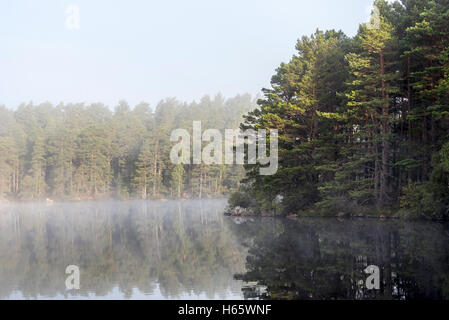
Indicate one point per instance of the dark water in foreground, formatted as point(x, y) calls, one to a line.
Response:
point(189, 250)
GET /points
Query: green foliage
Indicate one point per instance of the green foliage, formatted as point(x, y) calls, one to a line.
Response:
point(444, 155)
point(362, 122)
point(240, 199)
point(431, 198)
point(419, 201)
point(87, 152)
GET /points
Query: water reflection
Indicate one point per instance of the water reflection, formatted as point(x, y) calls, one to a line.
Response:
point(161, 250)
point(325, 259)
point(189, 250)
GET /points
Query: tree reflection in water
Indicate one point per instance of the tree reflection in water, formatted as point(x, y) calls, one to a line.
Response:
point(188, 249)
point(170, 249)
point(325, 259)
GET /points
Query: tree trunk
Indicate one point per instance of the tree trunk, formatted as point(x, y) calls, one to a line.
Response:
point(385, 132)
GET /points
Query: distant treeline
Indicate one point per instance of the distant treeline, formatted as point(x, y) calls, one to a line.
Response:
point(363, 122)
point(72, 151)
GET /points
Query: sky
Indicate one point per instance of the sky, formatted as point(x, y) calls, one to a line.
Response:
point(108, 50)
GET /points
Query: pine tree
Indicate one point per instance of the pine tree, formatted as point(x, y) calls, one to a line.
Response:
point(177, 182)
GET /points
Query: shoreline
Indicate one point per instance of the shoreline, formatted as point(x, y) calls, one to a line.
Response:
point(248, 213)
point(237, 212)
point(72, 200)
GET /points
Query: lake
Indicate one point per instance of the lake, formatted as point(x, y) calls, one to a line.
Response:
point(190, 250)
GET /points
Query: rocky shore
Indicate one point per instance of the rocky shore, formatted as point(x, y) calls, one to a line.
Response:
point(239, 212)
point(248, 212)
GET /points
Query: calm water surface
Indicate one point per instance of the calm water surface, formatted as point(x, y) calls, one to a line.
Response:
point(189, 250)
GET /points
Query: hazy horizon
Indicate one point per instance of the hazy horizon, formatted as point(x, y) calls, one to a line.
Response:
point(145, 51)
point(152, 106)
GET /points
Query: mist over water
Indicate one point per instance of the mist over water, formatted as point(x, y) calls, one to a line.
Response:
point(189, 250)
point(135, 249)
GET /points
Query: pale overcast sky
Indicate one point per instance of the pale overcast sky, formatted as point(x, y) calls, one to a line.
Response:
point(149, 50)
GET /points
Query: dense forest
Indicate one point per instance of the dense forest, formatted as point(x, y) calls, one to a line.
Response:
point(77, 151)
point(363, 122)
point(363, 127)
